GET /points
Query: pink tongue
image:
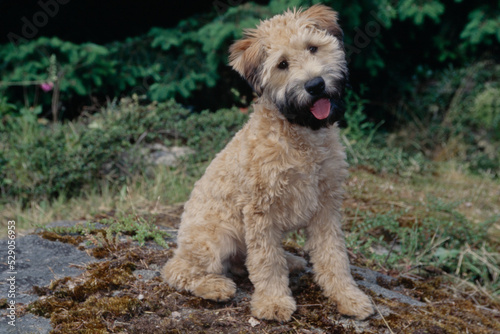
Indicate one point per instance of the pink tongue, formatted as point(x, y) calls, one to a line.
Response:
point(321, 109)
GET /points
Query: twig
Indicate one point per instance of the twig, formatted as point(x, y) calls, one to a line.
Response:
point(387, 324)
point(390, 250)
point(349, 147)
point(23, 83)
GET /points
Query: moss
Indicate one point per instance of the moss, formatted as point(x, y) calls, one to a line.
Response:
point(444, 312)
point(68, 239)
point(406, 282)
point(105, 299)
point(3, 303)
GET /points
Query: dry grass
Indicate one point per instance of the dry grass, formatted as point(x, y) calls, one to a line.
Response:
point(142, 195)
point(476, 197)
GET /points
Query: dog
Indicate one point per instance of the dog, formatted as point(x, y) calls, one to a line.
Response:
point(284, 170)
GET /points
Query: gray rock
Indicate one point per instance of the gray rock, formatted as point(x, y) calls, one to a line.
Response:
point(38, 262)
point(370, 281)
point(146, 275)
point(158, 154)
point(28, 324)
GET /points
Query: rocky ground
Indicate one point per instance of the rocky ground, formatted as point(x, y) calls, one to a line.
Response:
point(103, 283)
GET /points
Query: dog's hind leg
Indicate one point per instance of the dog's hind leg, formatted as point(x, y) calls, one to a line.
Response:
point(294, 262)
point(199, 266)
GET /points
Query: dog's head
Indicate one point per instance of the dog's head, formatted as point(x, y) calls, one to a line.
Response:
point(297, 62)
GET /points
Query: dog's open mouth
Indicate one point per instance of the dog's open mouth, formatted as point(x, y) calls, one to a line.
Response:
point(321, 108)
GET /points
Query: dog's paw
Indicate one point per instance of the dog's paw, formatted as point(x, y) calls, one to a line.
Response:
point(295, 263)
point(355, 303)
point(215, 287)
point(273, 308)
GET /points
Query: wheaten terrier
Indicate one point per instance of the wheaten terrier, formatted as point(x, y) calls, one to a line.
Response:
point(283, 171)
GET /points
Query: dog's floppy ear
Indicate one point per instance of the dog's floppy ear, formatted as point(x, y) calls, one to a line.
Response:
point(246, 57)
point(324, 18)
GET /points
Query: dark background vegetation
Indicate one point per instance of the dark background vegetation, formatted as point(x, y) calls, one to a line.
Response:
point(424, 73)
point(100, 21)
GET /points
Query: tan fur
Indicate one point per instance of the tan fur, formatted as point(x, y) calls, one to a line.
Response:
point(273, 177)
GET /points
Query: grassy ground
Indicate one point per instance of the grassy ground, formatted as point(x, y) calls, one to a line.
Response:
point(446, 222)
point(141, 195)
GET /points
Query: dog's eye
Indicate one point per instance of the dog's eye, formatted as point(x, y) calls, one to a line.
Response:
point(283, 65)
point(312, 49)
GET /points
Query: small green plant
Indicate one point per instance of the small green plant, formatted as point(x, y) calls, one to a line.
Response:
point(366, 146)
point(5, 107)
point(359, 128)
point(137, 227)
point(80, 228)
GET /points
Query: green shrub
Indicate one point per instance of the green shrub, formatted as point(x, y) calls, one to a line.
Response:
point(486, 109)
point(367, 147)
point(73, 69)
point(66, 159)
point(456, 115)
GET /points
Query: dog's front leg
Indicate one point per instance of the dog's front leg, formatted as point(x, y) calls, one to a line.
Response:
point(267, 268)
point(326, 247)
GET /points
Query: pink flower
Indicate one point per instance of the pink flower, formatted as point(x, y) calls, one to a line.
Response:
point(47, 86)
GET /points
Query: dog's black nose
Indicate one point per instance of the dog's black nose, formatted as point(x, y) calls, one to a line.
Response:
point(315, 86)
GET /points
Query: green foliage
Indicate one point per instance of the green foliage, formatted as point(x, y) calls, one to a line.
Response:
point(66, 159)
point(208, 133)
point(383, 159)
point(80, 69)
point(5, 106)
point(82, 229)
point(483, 26)
point(358, 127)
point(366, 147)
point(456, 115)
point(137, 227)
point(418, 10)
point(486, 109)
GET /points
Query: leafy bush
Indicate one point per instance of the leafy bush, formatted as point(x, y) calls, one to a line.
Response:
point(69, 68)
point(367, 147)
point(456, 115)
point(66, 159)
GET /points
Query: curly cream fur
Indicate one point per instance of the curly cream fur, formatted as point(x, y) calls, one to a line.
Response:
point(273, 177)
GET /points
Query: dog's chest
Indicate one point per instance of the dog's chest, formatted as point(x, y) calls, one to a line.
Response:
point(304, 187)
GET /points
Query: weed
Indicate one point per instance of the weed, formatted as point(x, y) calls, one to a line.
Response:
point(137, 227)
point(456, 116)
